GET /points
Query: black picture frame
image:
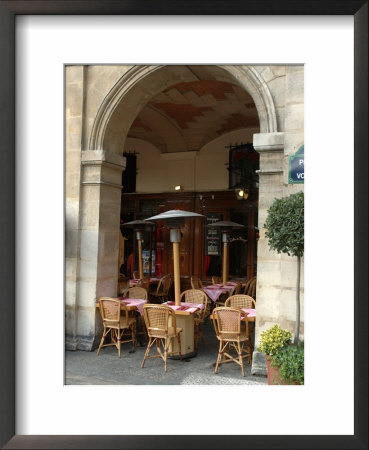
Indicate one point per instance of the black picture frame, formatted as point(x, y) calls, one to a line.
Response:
point(8, 10)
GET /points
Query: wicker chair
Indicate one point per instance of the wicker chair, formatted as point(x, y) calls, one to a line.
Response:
point(144, 283)
point(136, 292)
point(250, 288)
point(141, 293)
point(161, 327)
point(197, 296)
point(240, 301)
point(116, 321)
point(227, 326)
point(136, 274)
point(216, 280)
point(162, 291)
point(196, 283)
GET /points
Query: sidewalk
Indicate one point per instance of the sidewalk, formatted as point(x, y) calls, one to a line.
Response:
point(88, 368)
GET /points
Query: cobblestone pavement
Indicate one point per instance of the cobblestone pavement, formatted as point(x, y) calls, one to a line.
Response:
point(89, 369)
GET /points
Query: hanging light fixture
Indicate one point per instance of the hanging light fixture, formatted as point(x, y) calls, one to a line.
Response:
point(242, 193)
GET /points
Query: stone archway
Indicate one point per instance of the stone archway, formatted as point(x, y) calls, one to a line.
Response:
point(136, 87)
point(102, 165)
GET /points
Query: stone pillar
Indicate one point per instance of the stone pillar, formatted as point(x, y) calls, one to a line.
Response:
point(74, 107)
point(271, 149)
point(99, 238)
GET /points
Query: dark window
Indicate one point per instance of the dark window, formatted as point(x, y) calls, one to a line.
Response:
point(129, 174)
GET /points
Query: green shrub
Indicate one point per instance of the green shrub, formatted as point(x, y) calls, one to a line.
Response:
point(290, 360)
point(274, 339)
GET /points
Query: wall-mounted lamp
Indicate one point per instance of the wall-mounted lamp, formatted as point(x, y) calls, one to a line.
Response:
point(178, 187)
point(242, 193)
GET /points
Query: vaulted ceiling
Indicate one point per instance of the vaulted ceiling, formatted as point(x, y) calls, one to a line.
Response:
point(188, 115)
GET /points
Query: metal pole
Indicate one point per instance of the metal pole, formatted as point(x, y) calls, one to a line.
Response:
point(225, 258)
point(175, 237)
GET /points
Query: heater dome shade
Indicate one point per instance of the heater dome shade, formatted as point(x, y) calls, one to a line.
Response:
point(176, 214)
point(226, 225)
point(138, 224)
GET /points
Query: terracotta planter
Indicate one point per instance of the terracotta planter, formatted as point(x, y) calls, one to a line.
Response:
point(273, 374)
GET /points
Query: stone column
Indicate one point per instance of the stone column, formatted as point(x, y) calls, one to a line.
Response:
point(74, 107)
point(271, 149)
point(99, 238)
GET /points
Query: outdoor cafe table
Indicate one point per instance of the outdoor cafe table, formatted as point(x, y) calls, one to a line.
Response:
point(185, 320)
point(214, 291)
point(153, 280)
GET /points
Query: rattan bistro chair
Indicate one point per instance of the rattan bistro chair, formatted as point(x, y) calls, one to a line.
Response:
point(216, 280)
point(196, 282)
point(116, 321)
point(197, 296)
point(240, 301)
point(227, 326)
point(250, 288)
point(161, 293)
point(136, 292)
point(144, 283)
point(161, 327)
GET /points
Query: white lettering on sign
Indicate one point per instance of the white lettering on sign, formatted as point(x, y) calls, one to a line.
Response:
point(301, 162)
point(300, 175)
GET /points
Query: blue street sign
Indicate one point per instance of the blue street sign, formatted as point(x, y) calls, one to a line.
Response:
point(296, 169)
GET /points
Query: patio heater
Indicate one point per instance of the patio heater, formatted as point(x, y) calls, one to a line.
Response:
point(226, 228)
point(139, 226)
point(174, 220)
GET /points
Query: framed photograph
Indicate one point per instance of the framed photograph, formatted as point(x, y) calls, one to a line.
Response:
point(38, 40)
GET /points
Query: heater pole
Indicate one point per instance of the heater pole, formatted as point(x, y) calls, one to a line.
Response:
point(225, 258)
point(140, 268)
point(177, 281)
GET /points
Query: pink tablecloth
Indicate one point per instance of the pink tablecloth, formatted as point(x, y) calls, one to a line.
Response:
point(134, 281)
point(214, 291)
point(188, 307)
point(137, 302)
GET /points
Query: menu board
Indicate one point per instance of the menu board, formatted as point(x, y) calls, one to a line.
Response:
point(213, 243)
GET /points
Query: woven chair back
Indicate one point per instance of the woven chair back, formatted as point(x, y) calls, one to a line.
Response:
point(196, 296)
point(240, 301)
point(136, 292)
point(144, 283)
point(196, 282)
point(236, 290)
point(136, 274)
point(157, 320)
point(227, 323)
point(216, 280)
point(110, 311)
point(250, 287)
point(164, 284)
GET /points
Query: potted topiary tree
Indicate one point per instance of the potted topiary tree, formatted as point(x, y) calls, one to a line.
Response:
point(285, 233)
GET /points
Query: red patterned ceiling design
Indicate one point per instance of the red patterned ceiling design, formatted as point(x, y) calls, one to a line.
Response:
point(236, 121)
point(138, 123)
point(182, 113)
point(204, 87)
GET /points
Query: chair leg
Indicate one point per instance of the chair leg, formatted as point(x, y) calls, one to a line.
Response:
point(219, 357)
point(102, 340)
point(240, 358)
point(118, 341)
point(166, 345)
point(179, 346)
point(149, 345)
